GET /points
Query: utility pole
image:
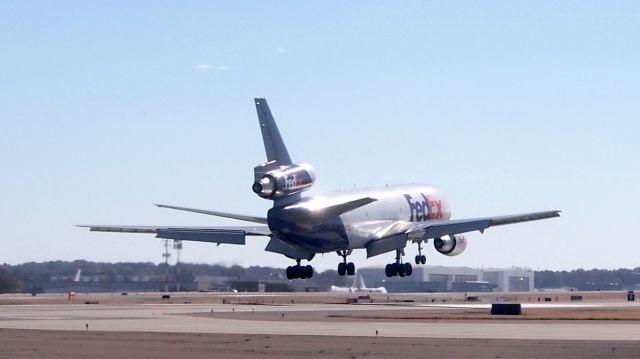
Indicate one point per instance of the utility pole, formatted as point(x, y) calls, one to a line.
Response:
point(177, 245)
point(166, 256)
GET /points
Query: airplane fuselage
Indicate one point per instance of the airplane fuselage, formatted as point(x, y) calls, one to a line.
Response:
point(396, 208)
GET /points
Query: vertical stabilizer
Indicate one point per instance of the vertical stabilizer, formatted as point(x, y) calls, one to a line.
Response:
point(273, 144)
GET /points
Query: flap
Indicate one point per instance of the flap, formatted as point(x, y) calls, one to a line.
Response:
point(203, 235)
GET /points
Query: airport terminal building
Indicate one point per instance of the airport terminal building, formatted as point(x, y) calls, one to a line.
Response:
point(453, 279)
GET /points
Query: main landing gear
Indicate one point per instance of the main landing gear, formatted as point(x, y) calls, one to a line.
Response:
point(420, 258)
point(344, 267)
point(398, 268)
point(298, 271)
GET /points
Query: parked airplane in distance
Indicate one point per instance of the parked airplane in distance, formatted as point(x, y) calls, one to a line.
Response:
point(357, 287)
point(379, 220)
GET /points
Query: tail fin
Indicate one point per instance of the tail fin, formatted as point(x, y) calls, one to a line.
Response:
point(273, 144)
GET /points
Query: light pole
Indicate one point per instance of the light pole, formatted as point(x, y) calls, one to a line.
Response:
point(166, 256)
point(177, 245)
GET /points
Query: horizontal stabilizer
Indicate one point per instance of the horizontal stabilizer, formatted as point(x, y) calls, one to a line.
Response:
point(241, 217)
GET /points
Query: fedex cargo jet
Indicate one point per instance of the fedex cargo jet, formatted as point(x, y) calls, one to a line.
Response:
point(378, 220)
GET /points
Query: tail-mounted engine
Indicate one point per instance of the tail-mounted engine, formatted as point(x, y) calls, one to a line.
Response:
point(450, 246)
point(283, 181)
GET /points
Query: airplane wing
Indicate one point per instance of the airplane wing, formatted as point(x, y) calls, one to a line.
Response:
point(219, 235)
point(442, 228)
point(435, 229)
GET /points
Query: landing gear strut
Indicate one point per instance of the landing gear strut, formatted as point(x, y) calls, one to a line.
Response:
point(398, 268)
point(298, 271)
point(344, 267)
point(420, 258)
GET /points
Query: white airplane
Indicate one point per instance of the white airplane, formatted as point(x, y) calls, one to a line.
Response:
point(378, 220)
point(357, 287)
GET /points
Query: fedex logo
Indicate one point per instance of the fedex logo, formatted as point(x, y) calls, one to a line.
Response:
point(424, 208)
point(292, 181)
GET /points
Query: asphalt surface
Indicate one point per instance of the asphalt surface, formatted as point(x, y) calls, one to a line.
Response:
point(179, 318)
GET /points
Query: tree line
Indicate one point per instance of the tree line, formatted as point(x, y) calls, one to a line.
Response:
point(13, 277)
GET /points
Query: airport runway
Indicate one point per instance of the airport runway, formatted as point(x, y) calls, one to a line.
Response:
point(178, 318)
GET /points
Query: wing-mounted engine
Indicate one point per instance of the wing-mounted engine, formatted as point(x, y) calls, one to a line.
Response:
point(282, 181)
point(450, 245)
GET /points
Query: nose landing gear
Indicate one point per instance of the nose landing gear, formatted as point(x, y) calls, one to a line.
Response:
point(398, 268)
point(298, 271)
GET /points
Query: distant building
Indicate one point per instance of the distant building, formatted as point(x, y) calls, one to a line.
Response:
point(510, 280)
point(453, 279)
point(242, 284)
point(212, 282)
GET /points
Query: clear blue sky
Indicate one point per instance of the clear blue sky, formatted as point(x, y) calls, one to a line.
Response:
point(108, 107)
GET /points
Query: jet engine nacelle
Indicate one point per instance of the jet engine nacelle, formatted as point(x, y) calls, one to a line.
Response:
point(284, 181)
point(450, 246)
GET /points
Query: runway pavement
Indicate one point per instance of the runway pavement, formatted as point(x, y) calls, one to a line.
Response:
point(177, 318)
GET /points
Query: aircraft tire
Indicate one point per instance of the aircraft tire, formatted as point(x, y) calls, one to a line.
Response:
point(418, 259)
point(388, 270)
point(407, 269)
point(399, 269)
point(423, 259)
point(342, 269)
point(302, 272)
point(308, 271)
point(291, 272)
point(351, 268)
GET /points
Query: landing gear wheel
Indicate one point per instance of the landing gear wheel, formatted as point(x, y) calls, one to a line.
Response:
point(407, 269)
point(342, 269)
point(399, 269)
point(423, 259)
point(351, 268)
point(388, 270)
point(418, 259)
point(291, 272)
point(298, 271)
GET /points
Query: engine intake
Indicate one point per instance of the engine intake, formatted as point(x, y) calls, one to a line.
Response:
point(284, 181)
point(450, 246)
